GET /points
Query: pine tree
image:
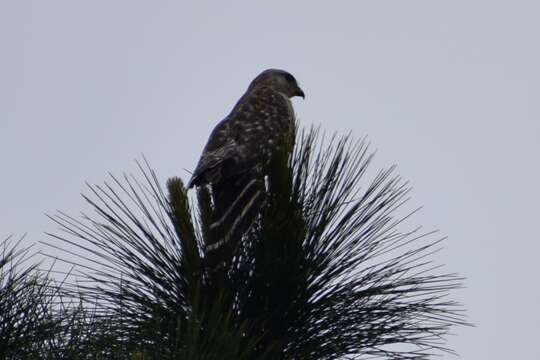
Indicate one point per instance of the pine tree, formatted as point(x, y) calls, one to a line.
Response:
point(325, 271)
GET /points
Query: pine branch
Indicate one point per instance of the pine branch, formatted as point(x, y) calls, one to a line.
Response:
point(326, 270)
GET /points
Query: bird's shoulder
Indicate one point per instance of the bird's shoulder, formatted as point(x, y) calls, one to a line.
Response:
point(262, 101)
point(260, 111)
point(220, 135)
point(252, 105)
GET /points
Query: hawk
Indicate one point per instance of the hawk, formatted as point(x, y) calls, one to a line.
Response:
point(262, 119)
point(234, 158)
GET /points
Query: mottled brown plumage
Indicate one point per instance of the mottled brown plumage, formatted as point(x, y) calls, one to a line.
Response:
point(261, 121)
point(234, 159)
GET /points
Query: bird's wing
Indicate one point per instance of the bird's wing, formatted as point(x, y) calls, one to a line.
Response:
point(217, 149)
point(211, 160)
point(245, 138)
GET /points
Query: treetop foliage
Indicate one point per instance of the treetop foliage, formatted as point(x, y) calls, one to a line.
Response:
point(327, 270)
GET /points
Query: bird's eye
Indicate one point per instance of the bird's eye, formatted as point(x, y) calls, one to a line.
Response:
point(290, 78)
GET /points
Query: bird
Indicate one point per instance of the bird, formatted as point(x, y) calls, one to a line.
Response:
point(259, 123)
point(241, 146)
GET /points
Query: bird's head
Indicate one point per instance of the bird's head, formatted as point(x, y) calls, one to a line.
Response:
point(278, 80)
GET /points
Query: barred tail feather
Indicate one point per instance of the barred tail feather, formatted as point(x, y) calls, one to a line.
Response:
point(236, 205)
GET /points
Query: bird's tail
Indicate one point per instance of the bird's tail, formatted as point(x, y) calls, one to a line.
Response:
point(237, 203)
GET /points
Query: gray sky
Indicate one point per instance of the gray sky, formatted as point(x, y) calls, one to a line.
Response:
point(448, 90)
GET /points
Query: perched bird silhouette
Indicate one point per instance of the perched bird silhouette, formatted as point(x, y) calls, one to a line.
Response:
point(260, 121)
point(242, 144)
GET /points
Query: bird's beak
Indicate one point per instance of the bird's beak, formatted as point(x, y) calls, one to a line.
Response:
point(299, 92)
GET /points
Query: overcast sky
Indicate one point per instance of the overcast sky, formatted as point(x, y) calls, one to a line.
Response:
point(448, 90)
